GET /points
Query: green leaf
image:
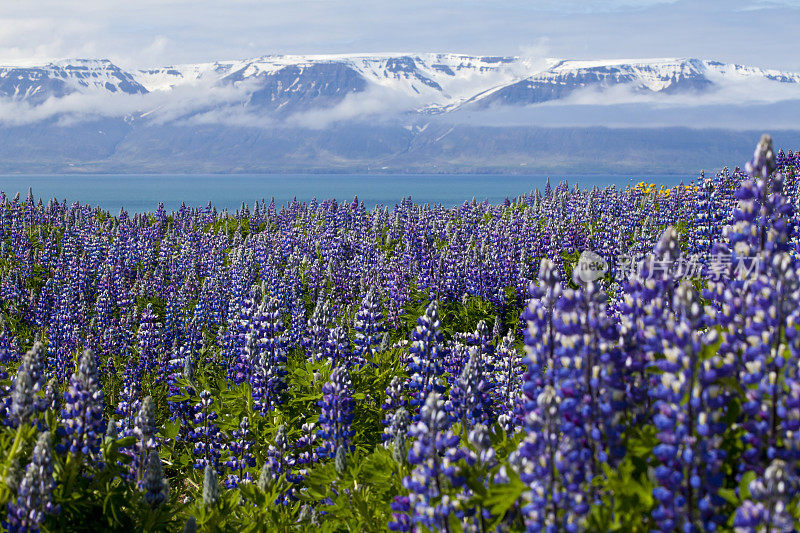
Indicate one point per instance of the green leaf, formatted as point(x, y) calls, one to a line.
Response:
point(171, 428)
point(744, 484)
point(730, 496)
point(501, 497)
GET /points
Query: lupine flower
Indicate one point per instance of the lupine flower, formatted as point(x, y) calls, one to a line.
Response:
point(433, 456)
point(130, 398)
point(154, 485)
point(337, 414)
point(771, 496)
point(267, 348)
point(317, 331)
point(35, 494)
point(205, 433)
point(395, 434)
point(149, 339)
point(22, 399)
point(369, 328)
point(470, 401)
point(241, 457)
point(424, 366)
point(401, 521)
point(211, 490)
point(240, 317)
point(29, 381)
point(144, 428)
point(508, 392)
point(690, 409)
point(191, 525)
point(83, 415)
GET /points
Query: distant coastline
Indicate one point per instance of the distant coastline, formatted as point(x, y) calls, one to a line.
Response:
point(113, 147)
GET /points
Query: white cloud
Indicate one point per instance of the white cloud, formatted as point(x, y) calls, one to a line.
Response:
point(158, 107)
point(156, 32)
point(368, 105)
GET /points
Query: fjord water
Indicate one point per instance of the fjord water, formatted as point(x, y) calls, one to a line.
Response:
point(142, 192)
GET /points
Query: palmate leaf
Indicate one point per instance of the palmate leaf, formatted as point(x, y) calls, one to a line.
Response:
point(501, 497)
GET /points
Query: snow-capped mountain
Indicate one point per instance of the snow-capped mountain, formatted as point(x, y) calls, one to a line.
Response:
point(290, 82)
point(423, 113)
point(665, 76)
point(427, 83)
point(35, 84)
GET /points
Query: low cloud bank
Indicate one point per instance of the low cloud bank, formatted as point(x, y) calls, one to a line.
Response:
point(738, 104)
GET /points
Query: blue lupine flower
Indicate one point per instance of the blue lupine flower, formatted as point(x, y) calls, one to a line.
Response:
point(154, 485)
point(144, 429)
point(35, 494)
point(83, 414)
point(241, 457)
point(317, 331)
point(150, 340)
point(267, 349)
point(211, 490)
point(369, 328)
point(205, 433)
point(769, 509)
point(434, 455)
point(425, 366)
point(470, 401)
point(508, 396)
point(337, 414)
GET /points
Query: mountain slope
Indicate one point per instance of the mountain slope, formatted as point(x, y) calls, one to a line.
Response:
point(425, 113)
point(35, 84)
point(427, 83)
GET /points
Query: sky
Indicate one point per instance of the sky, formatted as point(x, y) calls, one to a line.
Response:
point(144, 33)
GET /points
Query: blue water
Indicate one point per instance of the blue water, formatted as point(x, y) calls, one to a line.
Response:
point(143, 192)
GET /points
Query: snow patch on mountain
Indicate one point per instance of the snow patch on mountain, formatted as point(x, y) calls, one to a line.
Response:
point(426, 83)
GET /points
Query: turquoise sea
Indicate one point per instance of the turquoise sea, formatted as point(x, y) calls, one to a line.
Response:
point(143, 192)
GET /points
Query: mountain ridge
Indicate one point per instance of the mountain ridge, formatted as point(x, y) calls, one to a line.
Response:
point(429, 83)
point(378, 113)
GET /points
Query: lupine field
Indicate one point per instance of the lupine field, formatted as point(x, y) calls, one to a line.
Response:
point(324, 366)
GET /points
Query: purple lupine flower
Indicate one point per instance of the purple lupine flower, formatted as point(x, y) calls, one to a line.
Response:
point(470, 395)
point(154, 485)
point(35, 493)
point(149, 339)
point(277, 463)
point(509, 378)
point(401, 521)
point(337, 414)
point(129, 397)
point(769, 506)
point(689, 415)
point(180, 387)
point(240, 324)
point(82, 416)
point(205, 433)
point(433, 455)
point(394, 401)
point(337, 347)
point(317, 331)
point(267, 349)
point(369, 328)
point(144, 429)
point(240, 456)
point(425, 366)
